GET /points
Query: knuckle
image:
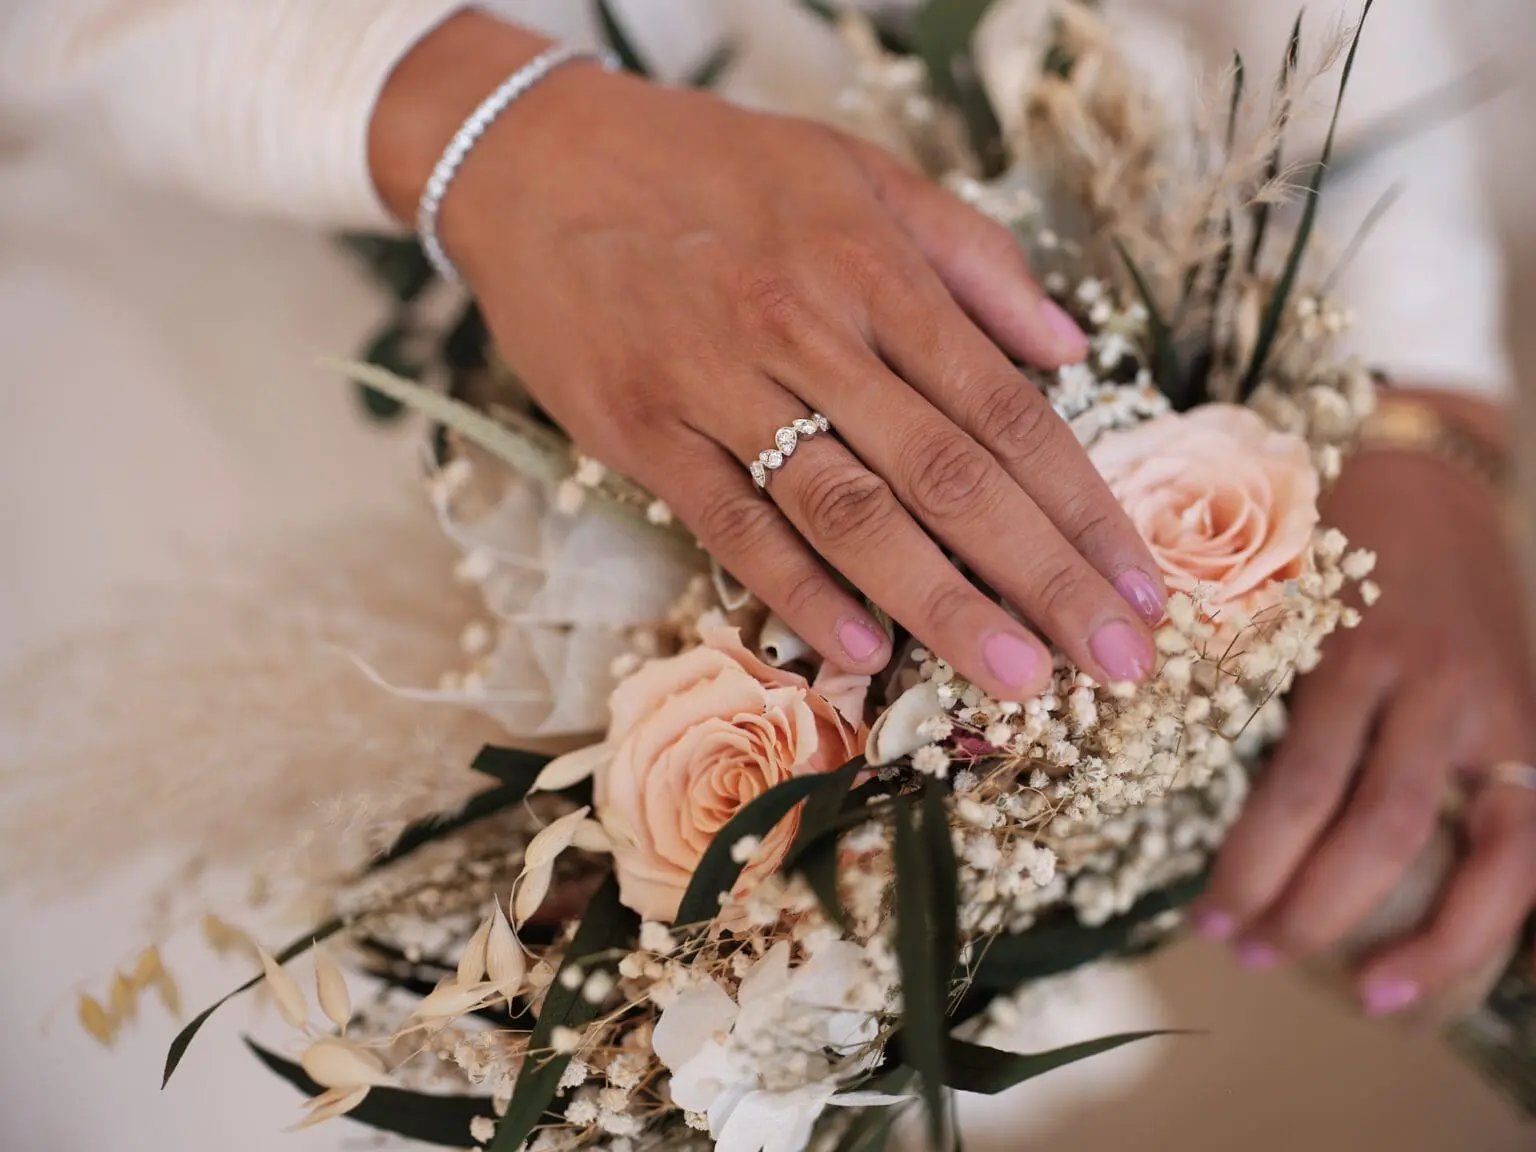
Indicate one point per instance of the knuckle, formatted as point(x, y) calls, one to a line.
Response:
point(1398, 823)
point(944, 606)
point(775, 305)
point(862, 263)
point(734, 522)
point(802, 591)
point(846, 503)
point(1305, 793)
point(951, 478)
point(1058, 589)
point(1017, 422)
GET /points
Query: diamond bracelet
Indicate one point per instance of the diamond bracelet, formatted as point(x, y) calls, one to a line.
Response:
point(512, 89)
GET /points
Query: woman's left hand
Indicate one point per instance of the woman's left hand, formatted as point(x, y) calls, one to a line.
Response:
point(1434, 684)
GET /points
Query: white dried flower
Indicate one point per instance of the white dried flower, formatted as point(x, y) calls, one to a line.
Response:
point(565, 1040)
point(574, 1076)
point(744, 849)
point(569, 497)
point(658, 513)
point(482, 1129)
point(657, 939)
point(931, 761)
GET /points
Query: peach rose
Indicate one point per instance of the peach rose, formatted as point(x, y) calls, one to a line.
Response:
point(694, 738)
point(1223, 500)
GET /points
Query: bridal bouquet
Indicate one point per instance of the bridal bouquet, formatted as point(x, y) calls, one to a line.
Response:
point(772, 905)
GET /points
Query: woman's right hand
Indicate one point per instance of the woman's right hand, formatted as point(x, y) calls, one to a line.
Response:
point(674, 278)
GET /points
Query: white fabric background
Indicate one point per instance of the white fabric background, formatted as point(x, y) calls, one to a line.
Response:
point(158, 393)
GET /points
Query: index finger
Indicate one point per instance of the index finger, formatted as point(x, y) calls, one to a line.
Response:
point(936, 348)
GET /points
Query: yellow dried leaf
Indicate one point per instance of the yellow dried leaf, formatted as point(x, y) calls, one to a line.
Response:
point(335, 1063)
point(170, 996)
point(531, 890)
point(291, 1005)
point(572, 768)
point(333, 1108)
point(122, 999)
point(146, 969)
point(224, 938)
point(472, 959)
point(331, 990)
point(551, 841)
point(96, 1020)
point(505, 963)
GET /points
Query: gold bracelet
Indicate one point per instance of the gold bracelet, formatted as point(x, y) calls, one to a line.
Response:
point(1404, 424)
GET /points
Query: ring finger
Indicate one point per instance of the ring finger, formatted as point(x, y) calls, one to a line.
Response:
point(852, 518)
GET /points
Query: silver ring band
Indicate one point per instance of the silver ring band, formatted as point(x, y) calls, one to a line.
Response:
point(785, 441)
point(1512, 772)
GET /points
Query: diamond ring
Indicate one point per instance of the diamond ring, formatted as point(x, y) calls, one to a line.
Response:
point(785, 441)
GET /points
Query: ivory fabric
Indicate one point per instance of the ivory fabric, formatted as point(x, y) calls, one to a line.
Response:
point(263, 106)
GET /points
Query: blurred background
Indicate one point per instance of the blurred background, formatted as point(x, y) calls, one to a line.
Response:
point(160, 401)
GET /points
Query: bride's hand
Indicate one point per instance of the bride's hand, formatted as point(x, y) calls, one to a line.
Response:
point(1434, 683)
point(675, 278)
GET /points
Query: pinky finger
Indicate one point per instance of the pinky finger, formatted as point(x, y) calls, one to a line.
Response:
point(753, 541)
point(1482, 908)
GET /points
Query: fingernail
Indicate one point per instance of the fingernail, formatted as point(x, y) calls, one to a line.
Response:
point(1257, 957)
point(1385, 997)
point(1214, 925)
point(1013, 660)
point(859, 640)
point(1121, 651)
point(1063, 327)
point(1137, 589)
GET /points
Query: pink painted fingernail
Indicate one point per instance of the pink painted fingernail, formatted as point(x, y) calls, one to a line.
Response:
point(1013, 660)
point(1385, 997)
point(1214, 925)
point(1137, 589)
point(859, 640)
point(1122, 651)
point(1257, 957)
point(1064, 328)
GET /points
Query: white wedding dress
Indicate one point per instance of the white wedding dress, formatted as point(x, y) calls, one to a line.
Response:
point(162, 404)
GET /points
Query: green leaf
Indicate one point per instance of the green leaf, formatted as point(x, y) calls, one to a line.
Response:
point(924, 985)
point(988, 1071)
point(942, 35)
point(944, 887)
point(1270, 325)
point(415, 836)
point(440, 1120)
point(184, 1038)
point(399, 263)
point(715, 65)
point(1062, 944)
point(618, 40)
point(511, 766)
point(1165, 355)
point(1261, 211)
point(717, 872)
point(605, 927)
point(434, 828)
point(814, 851)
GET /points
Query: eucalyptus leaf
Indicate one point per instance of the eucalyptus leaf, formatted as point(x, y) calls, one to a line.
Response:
point(942, 34)
point(440, 1120)
point(415, 836)
point(1062, 944)
point(618, 39)
point(717, 872)
point(184, 1038)
point(1270, 326)
point(513, 767)
point(606, 926)
point(814, 853)
point(944, 886)
point(714, 66)
point(988, 1071)
point(924, 984)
